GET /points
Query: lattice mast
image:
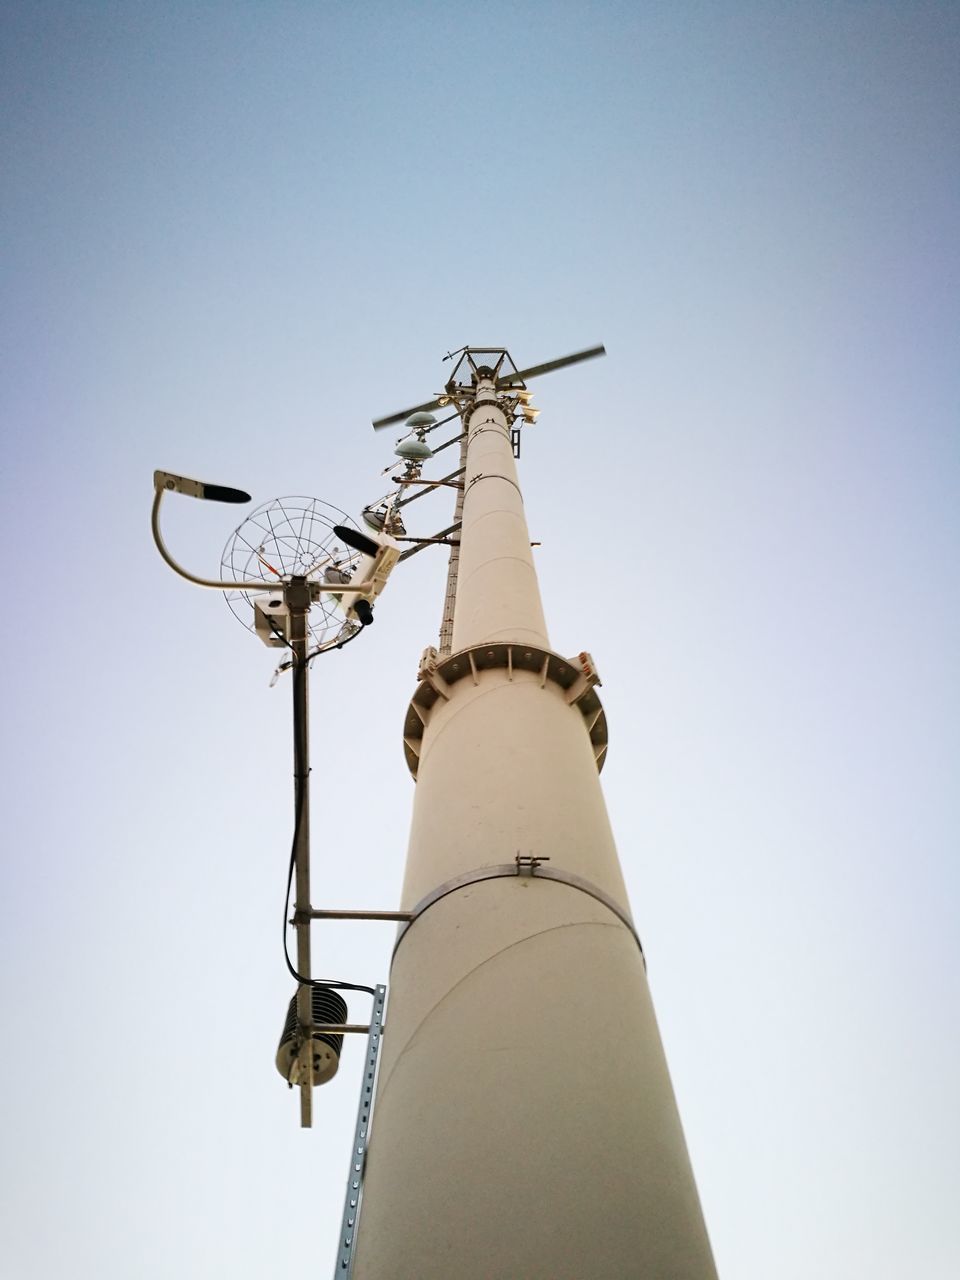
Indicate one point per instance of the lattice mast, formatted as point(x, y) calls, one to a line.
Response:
point(524, 1122)
point(453, 566)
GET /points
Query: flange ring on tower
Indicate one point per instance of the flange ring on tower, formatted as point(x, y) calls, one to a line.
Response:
point(576, 677)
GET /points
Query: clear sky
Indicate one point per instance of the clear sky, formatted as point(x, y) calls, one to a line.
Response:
point(232, 233)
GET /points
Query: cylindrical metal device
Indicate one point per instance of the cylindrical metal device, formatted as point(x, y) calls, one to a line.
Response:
point(524, 1122)
point(328, 1007)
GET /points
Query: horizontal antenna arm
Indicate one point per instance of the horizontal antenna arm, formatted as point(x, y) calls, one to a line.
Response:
point(426, 542)
point(535, 370)
point(430, 485)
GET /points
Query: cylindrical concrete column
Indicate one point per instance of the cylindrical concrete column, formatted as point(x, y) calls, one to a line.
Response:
point(524, 1126)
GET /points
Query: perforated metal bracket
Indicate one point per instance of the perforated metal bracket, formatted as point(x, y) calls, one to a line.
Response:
point(358, 1155)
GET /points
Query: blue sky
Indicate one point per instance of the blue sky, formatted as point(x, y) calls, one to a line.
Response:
point(232, 234)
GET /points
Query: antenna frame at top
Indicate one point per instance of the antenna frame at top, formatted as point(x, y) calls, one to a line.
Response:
point(467, 358)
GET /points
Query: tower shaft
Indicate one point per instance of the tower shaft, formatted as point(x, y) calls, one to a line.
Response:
point(524, 1125)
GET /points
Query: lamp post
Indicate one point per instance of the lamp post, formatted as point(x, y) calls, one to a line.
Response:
point(524, 1121)
point(309, 1047)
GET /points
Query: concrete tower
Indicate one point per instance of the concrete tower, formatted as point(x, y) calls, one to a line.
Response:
point(524, 1126)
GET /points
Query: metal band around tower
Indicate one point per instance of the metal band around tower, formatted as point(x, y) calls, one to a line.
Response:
point(490, 475)
point(535, 870)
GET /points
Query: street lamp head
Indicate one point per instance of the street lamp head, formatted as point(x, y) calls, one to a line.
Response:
point(221, 493)
point(197, 488)
point(354, 538)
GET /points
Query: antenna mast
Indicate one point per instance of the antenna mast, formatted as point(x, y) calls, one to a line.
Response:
point(524, 1122)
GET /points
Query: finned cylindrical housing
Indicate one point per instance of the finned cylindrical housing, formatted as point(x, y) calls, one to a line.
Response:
point(327, 1007)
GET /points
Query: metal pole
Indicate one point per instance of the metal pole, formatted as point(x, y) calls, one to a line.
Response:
point(525, 1123)
point(337, 914)
point(298, 600)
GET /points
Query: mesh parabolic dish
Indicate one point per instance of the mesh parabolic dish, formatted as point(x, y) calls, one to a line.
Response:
point(285, 538)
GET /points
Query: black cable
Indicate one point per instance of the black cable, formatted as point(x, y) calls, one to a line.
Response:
point(301, 779)
point(285, 666)
point(352, 636)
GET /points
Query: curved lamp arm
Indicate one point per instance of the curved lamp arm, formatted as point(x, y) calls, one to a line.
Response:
point(164, 481)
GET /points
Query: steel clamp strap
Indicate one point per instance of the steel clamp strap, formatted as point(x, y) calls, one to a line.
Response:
point(535, 870)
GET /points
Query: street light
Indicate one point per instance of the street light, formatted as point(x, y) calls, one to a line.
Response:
point(309, 1050)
